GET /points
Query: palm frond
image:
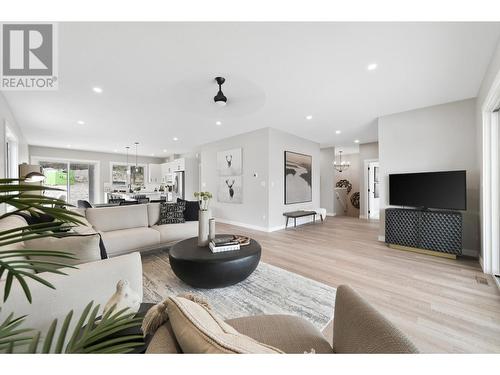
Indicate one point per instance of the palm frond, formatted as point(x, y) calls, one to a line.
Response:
point(11, 335)
point(20, 269)
point(90, 335)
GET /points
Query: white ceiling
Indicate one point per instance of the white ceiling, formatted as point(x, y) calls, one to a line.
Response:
point(158, 80)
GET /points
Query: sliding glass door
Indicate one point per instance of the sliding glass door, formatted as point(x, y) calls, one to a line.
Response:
point(56, 176)
point(77, 180)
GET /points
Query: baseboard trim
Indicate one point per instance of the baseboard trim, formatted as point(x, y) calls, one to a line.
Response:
point(497, 280)
point(243, 225)
point(265, 229)
point(381, 238)
point(331, 214)
point(363, 217)
point(470, 253)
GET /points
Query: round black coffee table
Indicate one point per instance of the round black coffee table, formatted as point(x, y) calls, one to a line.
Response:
point(199, 267)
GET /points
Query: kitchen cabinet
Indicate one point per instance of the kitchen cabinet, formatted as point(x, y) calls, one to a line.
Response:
point(167, 169)
point(178, 164)
point(154, 173)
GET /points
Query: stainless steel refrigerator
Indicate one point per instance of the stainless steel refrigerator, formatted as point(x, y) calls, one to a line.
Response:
point(178, 189)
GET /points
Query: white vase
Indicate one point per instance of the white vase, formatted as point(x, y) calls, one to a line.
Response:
point(203, 228)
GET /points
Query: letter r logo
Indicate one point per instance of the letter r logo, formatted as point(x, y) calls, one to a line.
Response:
point(27, 49)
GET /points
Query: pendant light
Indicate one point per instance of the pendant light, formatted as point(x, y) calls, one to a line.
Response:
point(220, 99)
point(341, 165)
point(136, 167)
point(128, 170)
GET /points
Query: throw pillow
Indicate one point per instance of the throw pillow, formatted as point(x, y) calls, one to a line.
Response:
point(192, 210)
point(198, 330)
point(84, 247)
point(172, 213)
point(123, 298)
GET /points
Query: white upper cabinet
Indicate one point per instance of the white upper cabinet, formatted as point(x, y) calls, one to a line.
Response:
point(179, 164)
point(154, 173)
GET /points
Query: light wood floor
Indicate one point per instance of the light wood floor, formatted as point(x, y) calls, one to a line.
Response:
point(440, 303)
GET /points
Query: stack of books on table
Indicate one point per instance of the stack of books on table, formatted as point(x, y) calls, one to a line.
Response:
point(220, 244)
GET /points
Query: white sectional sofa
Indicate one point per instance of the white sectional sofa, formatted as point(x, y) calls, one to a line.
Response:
point(92, 281)
point(126, 229)
point(123, 229)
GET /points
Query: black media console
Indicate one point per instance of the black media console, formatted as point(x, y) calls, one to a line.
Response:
point(439, 231)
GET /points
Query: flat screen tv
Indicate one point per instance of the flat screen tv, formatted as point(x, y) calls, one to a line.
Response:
point(444, 190)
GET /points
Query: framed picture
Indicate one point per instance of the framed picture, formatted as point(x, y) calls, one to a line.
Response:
point(230, 189)
point(298, 178)
point(229, 162)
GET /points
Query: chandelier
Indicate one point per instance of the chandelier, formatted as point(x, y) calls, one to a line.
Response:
point(341, 165)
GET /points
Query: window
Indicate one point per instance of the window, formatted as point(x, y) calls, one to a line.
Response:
point(120, 174)
point(11, 154)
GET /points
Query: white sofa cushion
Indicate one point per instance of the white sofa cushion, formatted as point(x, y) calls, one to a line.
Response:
point(95, 281)
point(176, 232)
point(84, 247)
point(115, 218)
point(11, 222)
point(153, 213)
point(125, 240)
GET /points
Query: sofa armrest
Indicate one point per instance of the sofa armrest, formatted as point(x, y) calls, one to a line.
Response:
point(359, 328)
point(93, 281)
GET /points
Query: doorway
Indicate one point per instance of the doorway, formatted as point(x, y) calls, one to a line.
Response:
point(373, 192)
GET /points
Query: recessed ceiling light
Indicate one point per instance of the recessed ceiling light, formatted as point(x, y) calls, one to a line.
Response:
point(175, 139)
point(68, 146)
point(372, 66)
point(356, 141)
point(164, 150)
point(338, 131)
point(218, 123)
point(309, 117)
point(152, 154)
point(80, 122)
point(115, 150)
point(97, 90)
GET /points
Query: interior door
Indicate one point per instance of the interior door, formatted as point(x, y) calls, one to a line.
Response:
point(373, 190)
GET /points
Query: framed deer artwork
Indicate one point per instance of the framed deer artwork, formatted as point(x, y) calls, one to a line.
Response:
point(229, 168)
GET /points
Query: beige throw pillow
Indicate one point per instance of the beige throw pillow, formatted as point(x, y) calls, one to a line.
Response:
point(199, 330)
point(83, 247)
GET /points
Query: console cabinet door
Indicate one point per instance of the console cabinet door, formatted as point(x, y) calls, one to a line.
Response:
point(402, 227)
point(441, 231)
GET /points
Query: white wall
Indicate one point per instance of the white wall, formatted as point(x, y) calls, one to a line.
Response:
point(6, 117)
point(367, 151)
point(254, 209)
point(279, 142)
point(263, 196)
point(327, 183)
point(436, 138)
point(491, 73)
point(104, 159)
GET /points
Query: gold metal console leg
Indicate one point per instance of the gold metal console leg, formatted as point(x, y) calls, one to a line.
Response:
point(423, 251)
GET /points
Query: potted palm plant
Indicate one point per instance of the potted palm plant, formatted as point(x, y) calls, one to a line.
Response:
point(203, 198)
point(90, 334)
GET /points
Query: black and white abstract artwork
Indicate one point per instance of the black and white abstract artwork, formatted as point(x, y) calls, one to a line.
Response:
point(230, 189)
point(298, 178)
point(229, 162)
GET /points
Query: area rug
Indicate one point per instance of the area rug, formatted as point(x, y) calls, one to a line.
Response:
point(268, 290)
